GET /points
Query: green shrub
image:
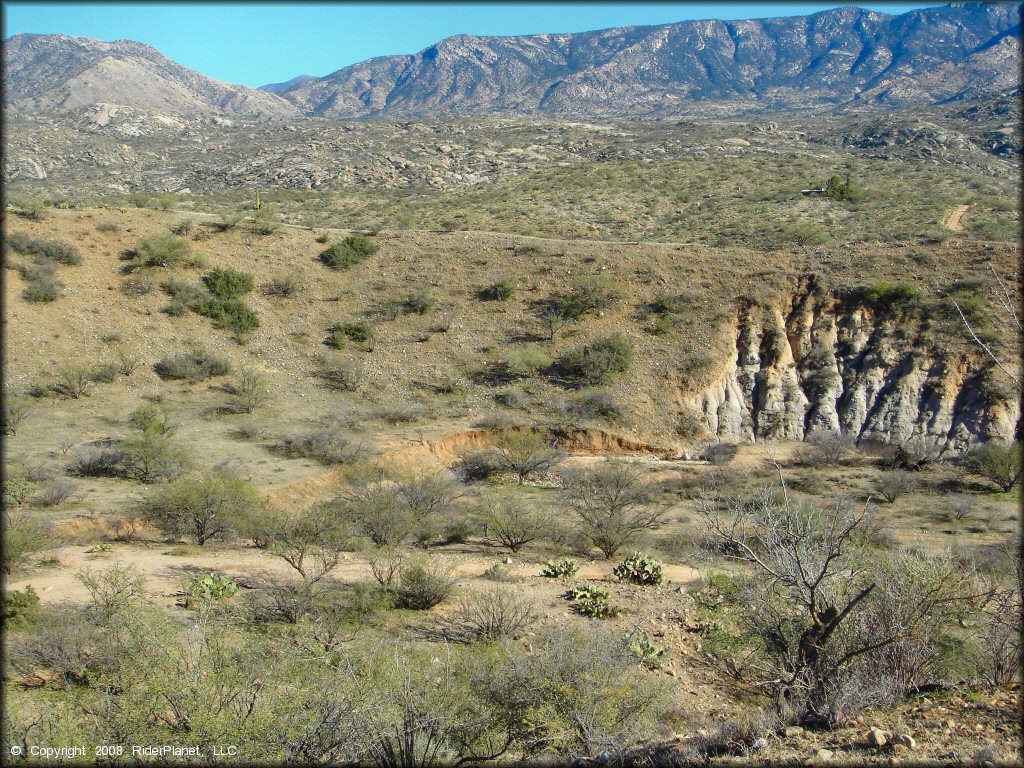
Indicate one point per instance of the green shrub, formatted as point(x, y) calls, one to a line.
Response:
point(417, 303)
point(42, 288)
point(527, 361)
point(720, 454)
point(496, 612)
point(803, 233)
point(638, 568)
point(204, 506)
point(359, 331)
point(15, 409)
point(263, 224)
point(206, 588)
point(593, 601)
point(20, 607)
point(563, 568)
point(165, 251)
point(998, 462)
point(596, 404)
point(193, 366)
point(53, 251)
point(884, 295)
point(588, 294)
point(227, 283)
point(152, 419)
point(105, 373)
point(248, 392)
point(229, 314)
point(666, 303)
point(283, 285)
point(424, 584)
point(350, 251)
point(842, 189)
point(645, 649)
point(328, 446)
point(183, 228)
point(175, 308)
point(503, 290)
point(600, 361)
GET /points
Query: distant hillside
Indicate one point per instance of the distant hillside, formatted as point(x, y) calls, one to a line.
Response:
point(837, 57)
point(47, 73)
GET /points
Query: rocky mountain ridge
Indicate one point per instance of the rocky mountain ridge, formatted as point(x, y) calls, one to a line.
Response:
point(825, 61)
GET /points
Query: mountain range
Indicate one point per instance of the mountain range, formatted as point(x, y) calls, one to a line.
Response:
point(837, 58)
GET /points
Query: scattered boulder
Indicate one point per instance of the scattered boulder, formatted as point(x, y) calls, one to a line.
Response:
point(876, 738)
point(792, 731)
point(904, 740)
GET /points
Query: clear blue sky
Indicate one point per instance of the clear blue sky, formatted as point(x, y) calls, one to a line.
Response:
point(259, 43)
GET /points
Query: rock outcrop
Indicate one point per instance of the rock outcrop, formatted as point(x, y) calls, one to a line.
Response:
point(832, 363)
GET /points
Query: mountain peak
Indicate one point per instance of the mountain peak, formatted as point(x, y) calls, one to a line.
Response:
point(47, 73)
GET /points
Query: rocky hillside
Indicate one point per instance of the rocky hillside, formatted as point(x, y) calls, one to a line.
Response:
point(837, 363)
point(47, 73)
point(842, 56)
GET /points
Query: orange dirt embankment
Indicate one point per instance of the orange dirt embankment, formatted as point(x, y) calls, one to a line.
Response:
point(447, 450)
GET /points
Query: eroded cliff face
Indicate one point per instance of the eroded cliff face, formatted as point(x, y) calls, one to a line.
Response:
point(821, 362)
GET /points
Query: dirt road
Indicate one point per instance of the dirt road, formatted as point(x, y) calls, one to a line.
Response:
point(954, 221)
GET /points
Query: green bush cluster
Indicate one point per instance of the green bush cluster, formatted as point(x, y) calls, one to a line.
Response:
point(359, 331)
point(39, 273)
point(589, 294)
point(600, 361)
point(209, 587)
point(192, 366)
point(164, 251)
point(503, 290)
point(645, 649)
point(563, 568)
point(227, 283)
point(217, 300)
point(54, 251)
point(593, 601)
point(638, 568)
point(842, 189)
point(349, 252)
point(20, 607)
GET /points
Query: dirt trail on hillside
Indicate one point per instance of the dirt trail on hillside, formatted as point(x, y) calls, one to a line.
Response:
point(954, 221)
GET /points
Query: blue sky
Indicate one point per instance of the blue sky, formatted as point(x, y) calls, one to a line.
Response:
point(259, 43)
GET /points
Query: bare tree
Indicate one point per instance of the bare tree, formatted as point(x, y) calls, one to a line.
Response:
point(526, 453)
point(15, 409)
point(1000, 629)
point(311, 542)
point(611, 504)
point(512, 522)
point(817, 609)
